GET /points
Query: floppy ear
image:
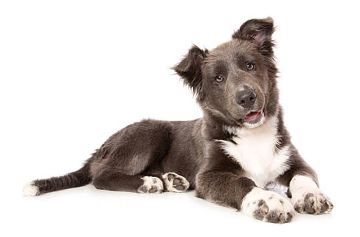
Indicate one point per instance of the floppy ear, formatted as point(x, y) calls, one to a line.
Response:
point(258, 31)
point(190, 69)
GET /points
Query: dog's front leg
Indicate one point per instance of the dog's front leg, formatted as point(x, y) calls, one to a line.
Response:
point(306, 195)
point(222, 181)
point(241, 193)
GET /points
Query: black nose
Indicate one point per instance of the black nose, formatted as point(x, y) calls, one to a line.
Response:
point(246, 98)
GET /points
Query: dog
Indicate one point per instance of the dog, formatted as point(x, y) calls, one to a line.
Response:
point(228, 156)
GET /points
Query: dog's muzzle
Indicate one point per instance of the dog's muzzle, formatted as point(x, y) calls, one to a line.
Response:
point(246, 98)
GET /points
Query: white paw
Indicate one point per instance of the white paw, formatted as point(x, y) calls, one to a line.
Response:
point(307, 197)
point(267, 206)
point(151, 185)
point(312, 203)
point(30, 190)
point(175, 183)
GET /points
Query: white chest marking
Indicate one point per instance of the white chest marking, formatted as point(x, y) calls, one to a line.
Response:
point(255, 150)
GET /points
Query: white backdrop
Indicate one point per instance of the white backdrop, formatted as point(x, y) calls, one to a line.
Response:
point(74, 72)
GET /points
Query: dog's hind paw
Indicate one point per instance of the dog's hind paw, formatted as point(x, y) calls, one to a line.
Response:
point(175, 183)
point(151, 185)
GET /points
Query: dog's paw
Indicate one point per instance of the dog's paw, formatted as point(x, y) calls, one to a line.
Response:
point(175, 183)
point(312, 203)
point(307, 197)
point(151, 185)
point(267, 206)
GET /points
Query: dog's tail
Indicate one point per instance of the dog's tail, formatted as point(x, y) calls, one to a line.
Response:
point(74, 179)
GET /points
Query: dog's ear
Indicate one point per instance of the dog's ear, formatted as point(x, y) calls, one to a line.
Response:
point(258, 31)
point(190, 69)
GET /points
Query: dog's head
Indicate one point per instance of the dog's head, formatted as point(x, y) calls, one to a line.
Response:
point(236, 81)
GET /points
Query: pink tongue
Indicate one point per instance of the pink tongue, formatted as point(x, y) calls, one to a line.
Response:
point(252, 116)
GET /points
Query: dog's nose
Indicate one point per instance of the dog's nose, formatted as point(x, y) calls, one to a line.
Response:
point(246, 98)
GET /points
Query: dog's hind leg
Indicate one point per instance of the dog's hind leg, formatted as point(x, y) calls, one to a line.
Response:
point(125, 161)
point(115, 181)
point(134, 149)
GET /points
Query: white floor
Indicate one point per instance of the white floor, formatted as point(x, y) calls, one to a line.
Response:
point(86, 211)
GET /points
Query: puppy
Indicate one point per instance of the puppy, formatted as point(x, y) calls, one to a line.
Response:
point(229, 155)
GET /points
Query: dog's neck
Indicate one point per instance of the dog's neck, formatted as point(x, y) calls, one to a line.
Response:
point(213, 127)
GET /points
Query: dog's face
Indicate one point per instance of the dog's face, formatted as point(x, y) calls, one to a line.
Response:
point(235, 82)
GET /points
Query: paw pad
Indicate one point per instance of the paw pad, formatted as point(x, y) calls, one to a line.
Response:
point(267, 206)
point(312, 203)
point(175, 183)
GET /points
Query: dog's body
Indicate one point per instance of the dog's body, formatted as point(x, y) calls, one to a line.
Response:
point(229, 155)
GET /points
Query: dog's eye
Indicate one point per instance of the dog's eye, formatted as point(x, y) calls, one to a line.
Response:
point(250, 66)
point(219, 78)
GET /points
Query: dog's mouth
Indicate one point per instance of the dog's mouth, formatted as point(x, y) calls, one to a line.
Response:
point(254, 119)
point(253, 116)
